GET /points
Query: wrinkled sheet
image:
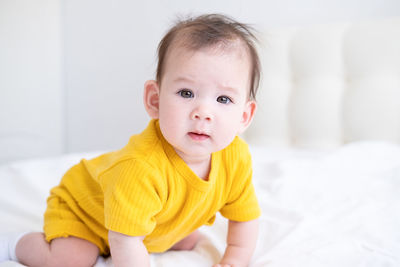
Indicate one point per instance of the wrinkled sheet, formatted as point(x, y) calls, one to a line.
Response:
point(320, 208)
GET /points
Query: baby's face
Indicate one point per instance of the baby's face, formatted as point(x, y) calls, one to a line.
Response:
point(204, 101)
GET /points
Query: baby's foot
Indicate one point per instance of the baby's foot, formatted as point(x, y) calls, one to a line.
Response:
point(8, 242)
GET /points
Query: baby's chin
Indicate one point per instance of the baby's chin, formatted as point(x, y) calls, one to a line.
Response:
point(198, 146)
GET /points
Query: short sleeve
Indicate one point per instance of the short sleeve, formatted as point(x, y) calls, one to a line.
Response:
point(242, 203)
point(131, 198)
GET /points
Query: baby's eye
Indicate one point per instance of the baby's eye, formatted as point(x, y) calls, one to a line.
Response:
point(224, 99)
point(186, 93)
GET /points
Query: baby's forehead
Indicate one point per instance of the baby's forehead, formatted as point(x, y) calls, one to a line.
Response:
point(183, 62)
point(236, 48)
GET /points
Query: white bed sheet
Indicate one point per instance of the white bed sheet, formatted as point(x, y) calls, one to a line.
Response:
point(320, 208)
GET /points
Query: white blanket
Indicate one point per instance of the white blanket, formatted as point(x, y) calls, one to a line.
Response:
point(320, 208)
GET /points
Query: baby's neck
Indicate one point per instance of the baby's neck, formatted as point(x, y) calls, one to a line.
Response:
point(201, 169)
point(200, 166)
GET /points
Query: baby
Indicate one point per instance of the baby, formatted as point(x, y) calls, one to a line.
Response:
point(187, 165)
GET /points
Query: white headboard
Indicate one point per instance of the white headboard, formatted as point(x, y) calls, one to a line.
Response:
point(327, 85)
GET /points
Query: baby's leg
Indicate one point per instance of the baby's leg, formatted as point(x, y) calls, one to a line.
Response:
point(34, 250)
point(188, 243)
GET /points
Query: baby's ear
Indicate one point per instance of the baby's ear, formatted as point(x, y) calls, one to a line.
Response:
point(151, 98)
point(248, 115)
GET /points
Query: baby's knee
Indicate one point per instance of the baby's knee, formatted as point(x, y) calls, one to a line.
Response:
point(70, 261)
point(188, 243)
point(72, 252)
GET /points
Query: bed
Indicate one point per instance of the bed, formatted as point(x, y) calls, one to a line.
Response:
point(326, 155)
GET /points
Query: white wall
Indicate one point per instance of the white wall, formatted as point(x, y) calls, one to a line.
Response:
point(96, 61)
point(31, 96)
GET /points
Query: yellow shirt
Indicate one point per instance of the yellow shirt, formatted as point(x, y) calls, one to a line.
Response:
point(146, 189)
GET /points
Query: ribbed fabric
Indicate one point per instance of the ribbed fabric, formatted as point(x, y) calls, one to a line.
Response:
point(146, 189)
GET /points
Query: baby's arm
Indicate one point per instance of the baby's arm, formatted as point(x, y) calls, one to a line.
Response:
point(128, 250)
point(241, 242)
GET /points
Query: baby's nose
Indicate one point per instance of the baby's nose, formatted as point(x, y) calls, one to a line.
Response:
point(201, 113)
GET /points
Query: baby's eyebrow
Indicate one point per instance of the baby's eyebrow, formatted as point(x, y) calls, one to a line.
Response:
point(183, 79)
point(230, 89)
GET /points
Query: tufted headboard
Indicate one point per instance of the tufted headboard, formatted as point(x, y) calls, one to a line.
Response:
point(327, 85)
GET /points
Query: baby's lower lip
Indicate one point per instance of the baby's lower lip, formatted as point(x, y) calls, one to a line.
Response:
point(198, 137)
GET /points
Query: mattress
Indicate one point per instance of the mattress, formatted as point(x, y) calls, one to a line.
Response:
point(336, 207)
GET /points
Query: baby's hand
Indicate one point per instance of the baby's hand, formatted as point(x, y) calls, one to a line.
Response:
point(222, 265)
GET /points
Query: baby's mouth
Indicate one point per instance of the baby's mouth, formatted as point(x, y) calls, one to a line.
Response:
point(198, 136)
